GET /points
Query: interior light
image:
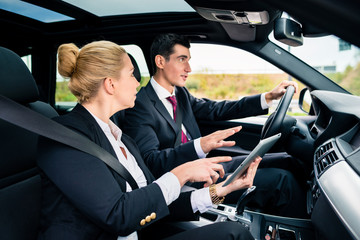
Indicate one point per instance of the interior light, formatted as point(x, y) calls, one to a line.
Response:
point(236, 17)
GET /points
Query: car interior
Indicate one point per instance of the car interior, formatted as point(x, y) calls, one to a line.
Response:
point(20, 181)
point(327, 137)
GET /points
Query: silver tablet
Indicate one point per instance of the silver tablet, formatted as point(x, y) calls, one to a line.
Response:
point(263, 146)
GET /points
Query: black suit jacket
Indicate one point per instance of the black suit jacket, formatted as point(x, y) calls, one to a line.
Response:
point(154, 131)
point(85, 199)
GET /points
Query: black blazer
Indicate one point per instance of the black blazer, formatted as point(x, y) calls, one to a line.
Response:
point(154, 131)
point(85, 199)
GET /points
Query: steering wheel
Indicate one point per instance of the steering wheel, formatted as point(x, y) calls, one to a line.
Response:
point(273, 124)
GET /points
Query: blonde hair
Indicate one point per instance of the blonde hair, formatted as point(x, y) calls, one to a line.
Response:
point(88, 67)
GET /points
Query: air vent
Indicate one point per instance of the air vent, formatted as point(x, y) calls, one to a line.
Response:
point(323, 149)
point(325, 156)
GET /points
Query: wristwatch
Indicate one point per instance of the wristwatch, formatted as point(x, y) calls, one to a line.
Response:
point(215, 199)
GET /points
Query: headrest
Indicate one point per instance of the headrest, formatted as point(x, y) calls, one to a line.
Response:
point(136, 68)
point(16, 81)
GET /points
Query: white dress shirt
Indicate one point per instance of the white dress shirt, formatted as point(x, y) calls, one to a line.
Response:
point(203, 193)
point(168, 183)
point(163, 94)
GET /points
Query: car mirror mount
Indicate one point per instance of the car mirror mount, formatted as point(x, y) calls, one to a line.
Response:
point(288, 32)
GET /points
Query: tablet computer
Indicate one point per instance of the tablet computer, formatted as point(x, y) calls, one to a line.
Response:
point(263, 146)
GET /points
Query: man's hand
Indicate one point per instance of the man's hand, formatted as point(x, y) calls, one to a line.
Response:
point(216, 139)
point(279, 90)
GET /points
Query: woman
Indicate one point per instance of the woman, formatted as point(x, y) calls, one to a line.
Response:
point(85, 199)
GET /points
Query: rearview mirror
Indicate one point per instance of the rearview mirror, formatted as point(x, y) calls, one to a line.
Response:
point(288, 32)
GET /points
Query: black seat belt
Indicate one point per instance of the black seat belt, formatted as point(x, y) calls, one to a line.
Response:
point(14, 113)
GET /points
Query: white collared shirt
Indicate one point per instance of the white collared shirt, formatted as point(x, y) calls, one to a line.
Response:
point(200, 199)
point(168, 183)
point(162, 94)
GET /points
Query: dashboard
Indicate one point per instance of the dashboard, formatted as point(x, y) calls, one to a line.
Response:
point(330, 142)
point(336, 182)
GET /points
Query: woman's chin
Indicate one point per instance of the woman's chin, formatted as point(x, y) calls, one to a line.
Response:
point(132, 105)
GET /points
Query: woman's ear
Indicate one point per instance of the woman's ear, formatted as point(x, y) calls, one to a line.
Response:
point(109, 85)
point(159, 61)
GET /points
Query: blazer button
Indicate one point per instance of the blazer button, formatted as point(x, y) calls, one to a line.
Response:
point(153, 215)
point(148, 218)
point(142, 222)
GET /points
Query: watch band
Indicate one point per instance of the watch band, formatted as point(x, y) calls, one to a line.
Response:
point(215, 199)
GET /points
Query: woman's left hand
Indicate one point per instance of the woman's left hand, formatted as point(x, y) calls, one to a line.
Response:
point(244, 181)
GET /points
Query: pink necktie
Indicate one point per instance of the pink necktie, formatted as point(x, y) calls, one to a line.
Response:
point(173, 102)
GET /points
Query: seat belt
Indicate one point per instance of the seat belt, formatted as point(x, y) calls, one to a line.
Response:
point(14, 113)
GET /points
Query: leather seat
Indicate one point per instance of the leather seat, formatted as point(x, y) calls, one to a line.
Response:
point(20, 183)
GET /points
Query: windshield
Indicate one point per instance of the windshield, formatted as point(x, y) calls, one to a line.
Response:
point(331, 56)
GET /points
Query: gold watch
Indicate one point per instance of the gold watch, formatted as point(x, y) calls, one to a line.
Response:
point(215, 199)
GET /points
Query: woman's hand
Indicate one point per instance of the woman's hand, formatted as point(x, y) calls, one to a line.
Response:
point(244, 181)
point(202, 170)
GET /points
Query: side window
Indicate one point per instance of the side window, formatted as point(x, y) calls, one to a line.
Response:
point(138, 55)
point(221, 72)
point(64, 99)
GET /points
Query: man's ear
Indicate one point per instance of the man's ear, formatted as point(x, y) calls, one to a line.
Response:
point(159, 61)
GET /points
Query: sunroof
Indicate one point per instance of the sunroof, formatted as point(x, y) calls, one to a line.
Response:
point(120, 7)
point(32, 11)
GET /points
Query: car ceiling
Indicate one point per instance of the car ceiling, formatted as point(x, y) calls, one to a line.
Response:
point(22, 33)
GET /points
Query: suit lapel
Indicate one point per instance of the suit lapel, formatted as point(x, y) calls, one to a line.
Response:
point(104, 142)
point(188, 118)
point(159, 106)
point(135, 152)
point(97, 135)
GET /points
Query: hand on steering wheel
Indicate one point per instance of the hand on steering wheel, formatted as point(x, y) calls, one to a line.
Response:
point(273, 124)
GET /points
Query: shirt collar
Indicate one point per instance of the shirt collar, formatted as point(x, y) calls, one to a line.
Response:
point(108, 127)
point(160, 91)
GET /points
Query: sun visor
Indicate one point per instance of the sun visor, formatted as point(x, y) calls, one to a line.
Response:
point(241, 33)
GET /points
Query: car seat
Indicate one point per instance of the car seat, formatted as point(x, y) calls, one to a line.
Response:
point(20, 183)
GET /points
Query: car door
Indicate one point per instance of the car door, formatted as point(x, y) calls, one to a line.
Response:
point(228, 73)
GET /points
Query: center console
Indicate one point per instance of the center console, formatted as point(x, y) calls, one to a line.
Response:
point(264, 226)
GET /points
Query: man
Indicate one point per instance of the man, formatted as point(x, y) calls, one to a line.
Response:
point(151, 123)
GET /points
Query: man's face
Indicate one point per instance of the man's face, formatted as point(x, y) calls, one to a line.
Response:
point(176, 69)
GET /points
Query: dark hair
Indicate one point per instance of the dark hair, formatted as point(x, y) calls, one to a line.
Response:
point(163, 45)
